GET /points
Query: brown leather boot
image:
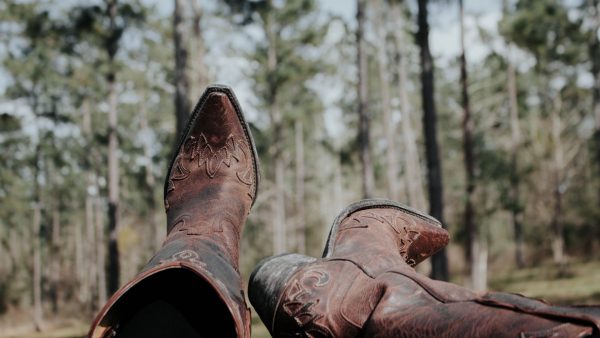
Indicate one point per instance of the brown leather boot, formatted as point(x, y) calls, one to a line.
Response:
point(192, 286)
point(365, 286)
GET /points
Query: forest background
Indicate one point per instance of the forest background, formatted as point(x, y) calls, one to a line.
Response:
point(486, 114)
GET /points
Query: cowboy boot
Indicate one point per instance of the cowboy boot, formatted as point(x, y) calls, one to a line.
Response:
point(192, 286)
point(365, 286)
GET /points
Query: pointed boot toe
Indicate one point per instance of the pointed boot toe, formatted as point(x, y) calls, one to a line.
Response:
point(384, 226)
point(192, 286)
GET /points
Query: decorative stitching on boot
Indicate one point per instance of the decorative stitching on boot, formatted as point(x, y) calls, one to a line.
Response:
point(300, 302)
point(212, 160)
point(399, 223)
point(185, 255)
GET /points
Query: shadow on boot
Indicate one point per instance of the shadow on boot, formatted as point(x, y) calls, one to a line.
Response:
point(192, 286)
point(365, 286)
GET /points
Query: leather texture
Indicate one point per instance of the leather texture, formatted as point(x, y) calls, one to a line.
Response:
point(210, 187)
point(365, 286)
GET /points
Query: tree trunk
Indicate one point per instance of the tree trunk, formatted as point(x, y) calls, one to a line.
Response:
point(473, 242)
point(439, 269)
point(182, 86)
point(301, 225)
point(37, 255)
point(515, 203)
point(479, 265)
point(55, 273)
point(155, 238)
point(277, 150)
point(113, 192)
point(91, 249)
point(89, 282)
point(389, 126)
point(113, 161)
point(80, 274)
point(200, 70)
point(594, 50)
point(100, 256)
point(557, 226)
point(363, 115)
point(414, 180)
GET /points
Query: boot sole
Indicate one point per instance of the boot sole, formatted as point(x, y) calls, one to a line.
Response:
point(371, 204)
point(218, 88)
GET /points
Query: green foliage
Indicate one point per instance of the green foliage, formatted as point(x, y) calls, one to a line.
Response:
point(554, 36)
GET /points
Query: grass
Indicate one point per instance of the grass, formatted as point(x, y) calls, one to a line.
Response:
point(578, 283)
point(575, 284)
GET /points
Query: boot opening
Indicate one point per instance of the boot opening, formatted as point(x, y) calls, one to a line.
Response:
point(171, 303)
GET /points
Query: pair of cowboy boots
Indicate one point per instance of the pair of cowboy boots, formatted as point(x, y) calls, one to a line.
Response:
point(364, 286)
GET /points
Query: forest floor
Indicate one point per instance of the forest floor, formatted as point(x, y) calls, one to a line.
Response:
point(577, 284)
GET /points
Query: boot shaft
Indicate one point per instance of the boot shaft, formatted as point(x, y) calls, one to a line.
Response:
point(380, 234)
point(212, 179)
point(209, 190)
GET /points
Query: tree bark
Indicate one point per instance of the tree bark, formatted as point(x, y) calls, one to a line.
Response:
point(89, 282)
point(515, 203)
point(300, 175)
point(364, 141)
point(37, 255)
point(479, 265)
point(414, 179)
point(80, 274)
point(113, 161)
point(200, 71)
point(55, 248)
point(439, 268)
point(155, 237)
point(100, 256)
point(113, 192)
point(389, 126)
point(557, 226)
point(594, 50)
point(277, 150)
point(474, 244)
point(181, 81)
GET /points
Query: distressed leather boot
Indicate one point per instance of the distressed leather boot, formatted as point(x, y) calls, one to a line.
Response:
point(365, 286)
point(192, 286)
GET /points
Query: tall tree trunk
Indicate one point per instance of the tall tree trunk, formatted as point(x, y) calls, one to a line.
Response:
point(439, 269)
point(100, 256)
point(88, 286)
point(594, 50)
point(364, 141)
point(414, 180)
point(200, 72)
point(301, 225)
point(155, 237)
point(479, 265)
point(80, 274)
point(114, 270)
point(113, 191)
point(515, 130)
point(182, 83)
point(37, 255)
point(475, 247)
point(279, 225)
point(55, 269)
point(557, 226)
point(389, 126)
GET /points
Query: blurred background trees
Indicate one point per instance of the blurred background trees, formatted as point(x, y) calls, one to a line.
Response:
point(345, 100)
